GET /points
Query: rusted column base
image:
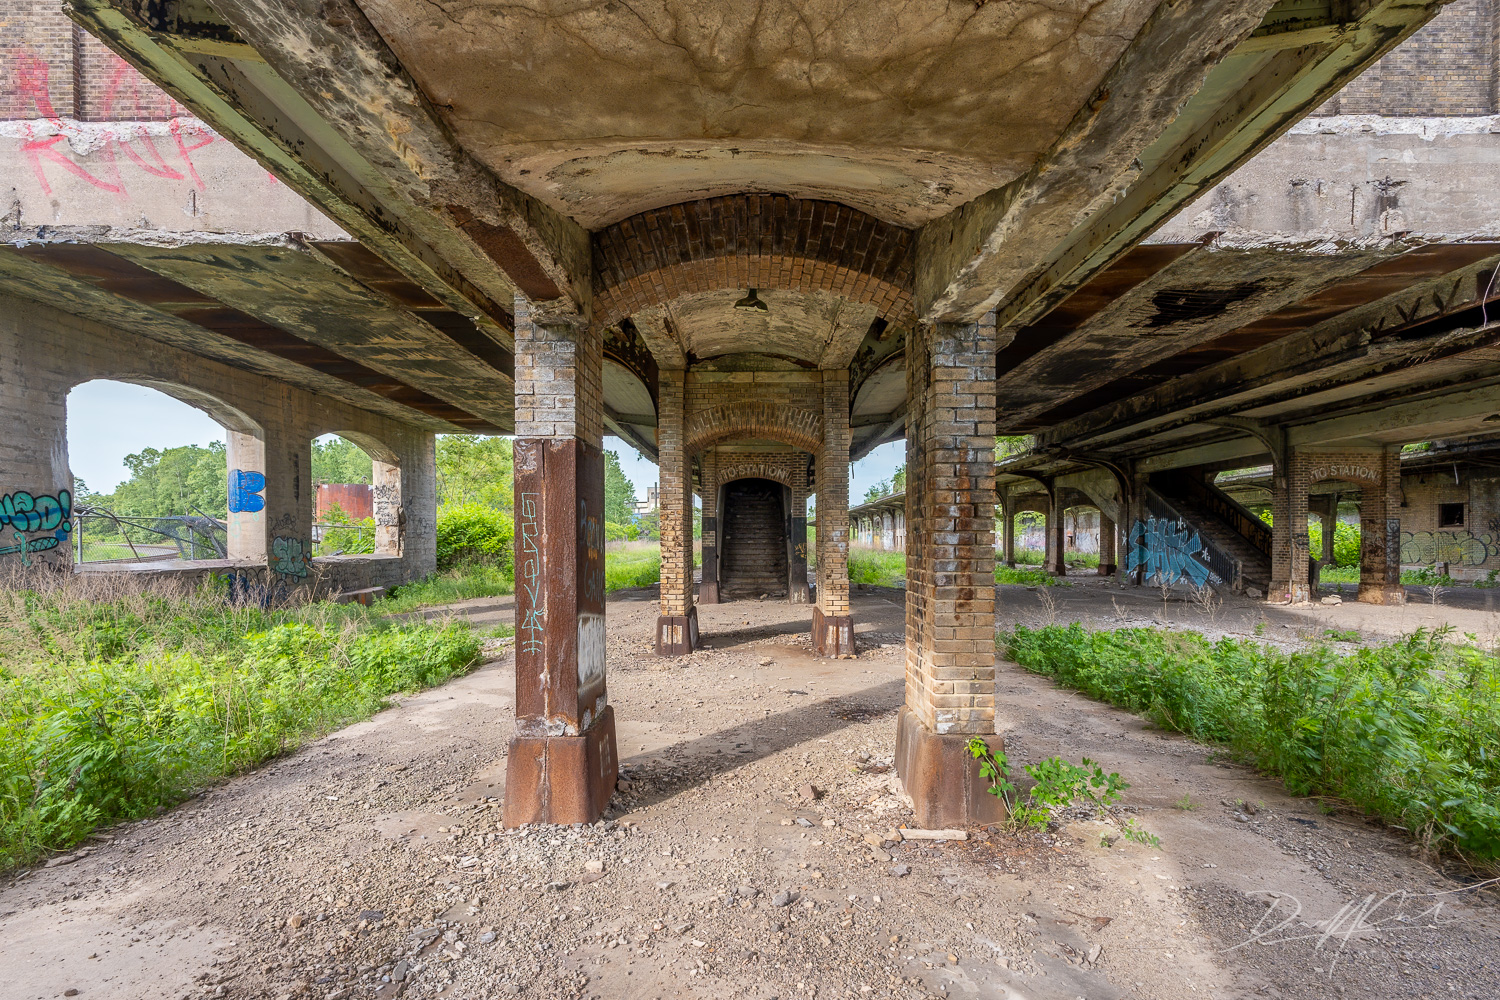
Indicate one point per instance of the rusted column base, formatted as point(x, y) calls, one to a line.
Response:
point(832, 635)
point(708, 593)
point(677, 635)
point(562, 779)
point(1108, 570)
point(1381, 593)
point(941, 777)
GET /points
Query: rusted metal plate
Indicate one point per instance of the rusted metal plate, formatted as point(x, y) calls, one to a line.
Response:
point(561, 779)
point(560, 634)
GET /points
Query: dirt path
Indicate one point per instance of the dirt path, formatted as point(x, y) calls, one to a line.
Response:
point(371, 863)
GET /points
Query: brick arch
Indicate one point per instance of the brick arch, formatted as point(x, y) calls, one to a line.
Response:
point(768, 241)
point(777, 422)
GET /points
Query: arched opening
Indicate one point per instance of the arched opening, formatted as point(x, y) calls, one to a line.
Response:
point(754, 540)
point(161, 472)
point(357, 490)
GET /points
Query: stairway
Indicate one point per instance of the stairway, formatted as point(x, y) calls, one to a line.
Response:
point(752, 552)
point(1204, 506)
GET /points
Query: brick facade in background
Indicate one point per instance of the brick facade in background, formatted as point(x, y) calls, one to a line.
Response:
point(49, 67)
point(1448, 67)
point(751, 241)
point(950, 516)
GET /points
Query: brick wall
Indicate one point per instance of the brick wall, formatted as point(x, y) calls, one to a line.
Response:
point(1447, 68)
point(49, 68)
point(1470, 550)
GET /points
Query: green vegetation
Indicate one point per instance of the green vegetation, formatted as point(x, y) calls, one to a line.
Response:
point(114, 705)
point(877, 568)
point(619, 491)
point(1028, 577)
point(1058, 784)
point(474, 469)
point(339, 460)
point(171, 482)
point(1409, 732)
point(449, 586)
point(474, 533)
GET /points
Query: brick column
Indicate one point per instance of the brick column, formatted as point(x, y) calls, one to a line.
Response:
point(677, 625)
point(1289, 537)
point(708, 489)
point(1380, 532)
point(1053, 558)
point(1106, 545)
point(562, 763)
point(832, 625)
point(1007, 531)
point(36, 486)
point(796, 565)
point(950, 572)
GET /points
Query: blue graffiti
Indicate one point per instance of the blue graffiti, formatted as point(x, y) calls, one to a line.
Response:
point(244, 492)
point(1166, 552)
point(26, 514)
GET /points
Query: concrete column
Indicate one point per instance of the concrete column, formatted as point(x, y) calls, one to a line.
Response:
point(708, 489)
point(832, 625)
point(796, 564)
point(677, 625)
point(36, 486)
point(1107, 541)
point(1380, 532)
point(1289, 537)
point(1008, 532)
point(386, 492)
point(1326, 509)
point(562, 764)
point(1054, 557)
point(288, 505)
point(950, 572)
point(247, 499)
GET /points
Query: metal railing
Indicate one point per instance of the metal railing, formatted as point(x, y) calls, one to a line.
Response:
point(101, 536)
point(1224, 568)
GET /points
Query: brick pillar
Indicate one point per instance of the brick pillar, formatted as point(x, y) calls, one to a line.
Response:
point(562, 765)
point(1106, 545)
point(832, 625)
point(950, 572)
point(36, 486)
point(1289, 537)
point(677, 625)
point(1007, 531)
point(1380, 532)
point(708, 489)
point(796, 565)
point(1053, 559)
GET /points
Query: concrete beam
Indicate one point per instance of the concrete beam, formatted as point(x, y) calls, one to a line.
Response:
point(1126, 165)
point(1449, 414)
point(353, 134)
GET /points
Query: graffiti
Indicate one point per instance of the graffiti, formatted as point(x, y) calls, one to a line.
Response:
point(244, 492)
point(55, 141)
point(533, 624)
point(1166, 552)
point(23, 514)
point(290, 558)
point(1462, 548)
point(591, 540)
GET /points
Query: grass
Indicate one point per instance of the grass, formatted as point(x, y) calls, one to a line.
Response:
point(115, 703)
point(1408, 732)
point(632, 564)
point(1026, 576)
point(877, 567)
point(450, 586)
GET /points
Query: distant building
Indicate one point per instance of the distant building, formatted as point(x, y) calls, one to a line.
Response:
point(356, 500)
point(646, 506)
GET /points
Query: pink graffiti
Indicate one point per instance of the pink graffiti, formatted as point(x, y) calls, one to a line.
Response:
point(132, 141)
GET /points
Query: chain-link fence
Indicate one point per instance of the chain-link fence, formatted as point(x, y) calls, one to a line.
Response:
point(100, 536)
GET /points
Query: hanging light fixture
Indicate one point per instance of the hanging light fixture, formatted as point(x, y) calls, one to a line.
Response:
point(752, 301)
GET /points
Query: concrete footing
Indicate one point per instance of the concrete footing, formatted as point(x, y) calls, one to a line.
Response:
point(1381, 593)
point(832, 635)
point(943, 780)
point(561, 779)
point(677, 635)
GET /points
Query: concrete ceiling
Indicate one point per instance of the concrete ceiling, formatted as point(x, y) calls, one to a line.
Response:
point(905, 111)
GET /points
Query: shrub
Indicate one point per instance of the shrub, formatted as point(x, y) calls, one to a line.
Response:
point(473, 532)
point(615, 532)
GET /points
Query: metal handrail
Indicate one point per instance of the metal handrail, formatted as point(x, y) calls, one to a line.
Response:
point(1224, 567)
point(1230, 511)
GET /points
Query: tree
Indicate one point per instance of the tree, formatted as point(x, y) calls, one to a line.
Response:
point(176, 481)
point(474, 469)
point(339, 460)
point(880, 489)
point(619, 491)
point(898, 479)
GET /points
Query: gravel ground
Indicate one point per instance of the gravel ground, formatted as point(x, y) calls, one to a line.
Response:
point(750, 853)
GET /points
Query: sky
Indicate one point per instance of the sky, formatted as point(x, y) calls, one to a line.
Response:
point(109, 420)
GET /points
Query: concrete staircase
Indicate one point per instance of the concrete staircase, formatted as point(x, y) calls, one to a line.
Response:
point(1202, 505)
point(753, 550)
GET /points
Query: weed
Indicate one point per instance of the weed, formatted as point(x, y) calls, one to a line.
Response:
point(1058, 784)
point(1186, 803)
point(1134, 831)
point(1341, 635)
point(1027, 577)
